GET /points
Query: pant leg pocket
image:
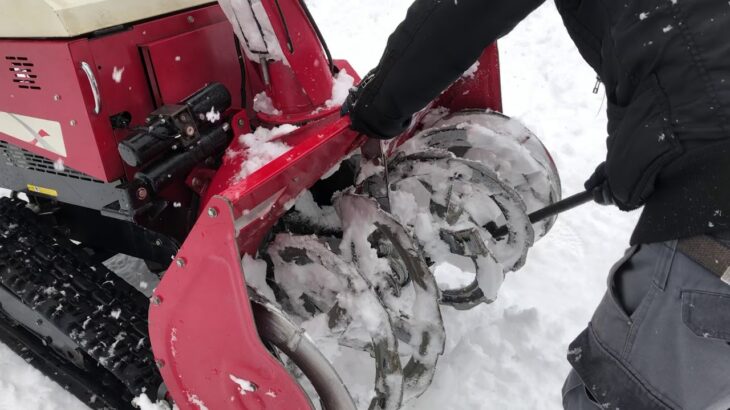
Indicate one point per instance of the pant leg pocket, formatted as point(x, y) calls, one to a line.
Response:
point(618, 291)
point(707, 314)
point(575, 394)
point(611, 383)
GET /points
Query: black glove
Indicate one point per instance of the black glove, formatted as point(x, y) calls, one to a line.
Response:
point(365, 117)
point(598, 184)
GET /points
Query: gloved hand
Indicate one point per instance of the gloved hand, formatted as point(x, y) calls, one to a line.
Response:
point(365, 116)
point(598, 184)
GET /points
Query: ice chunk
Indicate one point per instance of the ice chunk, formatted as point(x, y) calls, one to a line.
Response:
point(244, 386)
point(264, 104)
point(143, 402)
point(255, 272)
point(340, 88)
point(117, 74)
point(213, 116)
point(261, 148)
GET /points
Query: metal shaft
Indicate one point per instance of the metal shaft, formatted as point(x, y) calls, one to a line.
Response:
point(552, 210)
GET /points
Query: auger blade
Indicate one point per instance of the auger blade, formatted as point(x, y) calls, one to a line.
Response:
point(416, 316)
point(502, 145)
point(458, 197)
point(304, 265)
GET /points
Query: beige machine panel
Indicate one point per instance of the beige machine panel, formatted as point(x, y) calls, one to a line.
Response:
point(69, 18)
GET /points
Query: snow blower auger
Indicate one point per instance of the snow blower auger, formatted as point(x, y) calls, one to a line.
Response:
point(203, 143)
point(448, 190)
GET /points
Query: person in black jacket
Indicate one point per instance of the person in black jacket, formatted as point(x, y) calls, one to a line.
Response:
point(661, 336)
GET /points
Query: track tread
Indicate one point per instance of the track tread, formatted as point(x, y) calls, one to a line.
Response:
point(100, 312)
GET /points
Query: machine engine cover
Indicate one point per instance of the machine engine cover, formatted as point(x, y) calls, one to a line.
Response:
point(70, 18)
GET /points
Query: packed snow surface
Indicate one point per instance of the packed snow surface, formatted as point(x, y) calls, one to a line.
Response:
point(262, 103)
point(471, 71)
point(254, 29)
point(58, 165)
point(213, 116)
point(340, 88)
point(261, 147)
point(511, 354)
point(117, 74)
point(144, 403)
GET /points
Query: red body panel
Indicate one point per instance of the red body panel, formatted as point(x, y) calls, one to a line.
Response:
point(64, 96)
point(307, 67)
point(91, 143)
point(199, 57)
point(482, 89)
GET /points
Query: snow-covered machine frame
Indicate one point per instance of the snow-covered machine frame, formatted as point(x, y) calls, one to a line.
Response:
point(153, 139)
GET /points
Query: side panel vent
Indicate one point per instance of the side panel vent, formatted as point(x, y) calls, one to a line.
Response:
point(22, 72)
point(20, 158)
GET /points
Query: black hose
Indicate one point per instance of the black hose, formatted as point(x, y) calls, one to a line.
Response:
point(331, 62)
point(289, 43)
point(242, 66)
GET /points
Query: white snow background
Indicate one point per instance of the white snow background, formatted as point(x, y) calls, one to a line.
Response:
point(511, 354)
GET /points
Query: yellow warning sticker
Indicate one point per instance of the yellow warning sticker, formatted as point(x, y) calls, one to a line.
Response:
point(41, 190)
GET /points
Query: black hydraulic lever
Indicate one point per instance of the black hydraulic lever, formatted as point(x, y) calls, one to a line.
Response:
point(549, 211)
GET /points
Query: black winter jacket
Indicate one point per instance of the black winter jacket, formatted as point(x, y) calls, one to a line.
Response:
point(666, 68)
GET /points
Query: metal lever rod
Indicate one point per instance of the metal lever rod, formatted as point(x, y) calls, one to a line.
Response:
point(551, 210)
point(376, 152)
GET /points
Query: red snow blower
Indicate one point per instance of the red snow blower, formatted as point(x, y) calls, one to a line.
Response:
point(187, 136)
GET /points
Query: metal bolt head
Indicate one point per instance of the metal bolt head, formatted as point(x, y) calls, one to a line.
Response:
point(156, 300)
point(191, 19)
point(57, 97)
point(158, 242)
point(212, 212)
point(180, 262)
point(142, 193)
point(159, 363)
point(72, 123)
point(190, 130)
point(241, 122)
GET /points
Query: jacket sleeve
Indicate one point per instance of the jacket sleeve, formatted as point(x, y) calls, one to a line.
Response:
point(436, 43)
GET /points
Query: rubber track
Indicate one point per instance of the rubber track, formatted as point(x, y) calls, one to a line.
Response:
point(97, 388)
point(100, 312)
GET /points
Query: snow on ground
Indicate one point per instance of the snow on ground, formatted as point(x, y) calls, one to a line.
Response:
point(22, 387)
point(509, 355)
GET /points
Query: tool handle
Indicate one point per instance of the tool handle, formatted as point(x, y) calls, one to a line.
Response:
point(552, 210)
